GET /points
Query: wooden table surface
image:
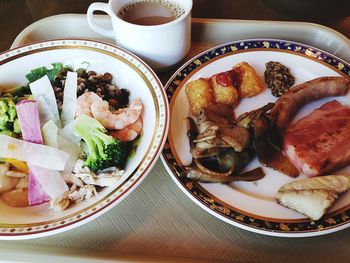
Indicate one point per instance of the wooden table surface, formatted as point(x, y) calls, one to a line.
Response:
point(15, 15)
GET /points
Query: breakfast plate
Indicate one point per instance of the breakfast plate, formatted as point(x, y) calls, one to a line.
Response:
point(252, 205)
point(127, 72)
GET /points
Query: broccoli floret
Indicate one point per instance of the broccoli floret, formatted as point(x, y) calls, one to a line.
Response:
point(102, 150)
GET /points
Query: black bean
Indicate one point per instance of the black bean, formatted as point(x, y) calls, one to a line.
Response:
point(90, 81)
point(113, 103)
point(99, 76)
point(107, 77)
point(91, 73)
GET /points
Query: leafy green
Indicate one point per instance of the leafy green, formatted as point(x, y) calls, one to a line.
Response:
point(40, 72)
point(101, 151)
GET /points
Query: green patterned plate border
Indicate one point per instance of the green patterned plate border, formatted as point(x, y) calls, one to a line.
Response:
point(331, 223)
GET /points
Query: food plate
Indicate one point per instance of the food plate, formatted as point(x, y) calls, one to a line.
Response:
point(251, 205)
point(129, 72)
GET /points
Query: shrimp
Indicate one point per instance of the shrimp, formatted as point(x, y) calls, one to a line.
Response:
point(129, 133)
point(118, 119)
point(84, 102)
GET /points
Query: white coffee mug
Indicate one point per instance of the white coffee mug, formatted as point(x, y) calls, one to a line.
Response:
point(161, 46)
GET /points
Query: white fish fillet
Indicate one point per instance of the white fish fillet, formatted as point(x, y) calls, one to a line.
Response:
point(313, 196)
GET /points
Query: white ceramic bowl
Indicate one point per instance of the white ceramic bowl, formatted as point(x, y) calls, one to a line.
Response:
point(128, 72)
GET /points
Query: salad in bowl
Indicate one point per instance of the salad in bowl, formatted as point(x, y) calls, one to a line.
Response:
point(81, 124)
point(63, 135)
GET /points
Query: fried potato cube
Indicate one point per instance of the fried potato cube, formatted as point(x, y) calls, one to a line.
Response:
point(224, 94)
point(251, 84)
point(199, 95)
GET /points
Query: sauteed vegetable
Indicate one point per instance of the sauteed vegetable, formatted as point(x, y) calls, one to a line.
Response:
point(222, 144)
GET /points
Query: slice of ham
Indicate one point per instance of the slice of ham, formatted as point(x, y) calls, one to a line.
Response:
point(320, 142)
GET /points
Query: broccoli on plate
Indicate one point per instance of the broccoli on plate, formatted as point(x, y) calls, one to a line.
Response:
point(102, 150)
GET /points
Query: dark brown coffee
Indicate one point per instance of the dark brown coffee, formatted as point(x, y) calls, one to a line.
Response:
point(150, 13)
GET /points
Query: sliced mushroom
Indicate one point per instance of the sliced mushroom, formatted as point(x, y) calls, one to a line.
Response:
point(201, 153)
point(210, 172)
point(192, 132)
point(220, 113)
point(246, 119)
point(237, 137)
point(214, 143)
point(267, 144)
point(198, 175)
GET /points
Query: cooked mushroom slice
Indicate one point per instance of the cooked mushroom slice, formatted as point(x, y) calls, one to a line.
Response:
point(214, 143)
point(245, 120)
point(192, 132)
point(203, 124)
point(251, 176)
point(267, 144)
point(201, 153)
point(220, 113)
point(198, 175)
point(237, 137)
point(211, 172)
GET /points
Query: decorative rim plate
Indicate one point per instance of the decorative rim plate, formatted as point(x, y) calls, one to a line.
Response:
point(202, 66)
point(150, 152)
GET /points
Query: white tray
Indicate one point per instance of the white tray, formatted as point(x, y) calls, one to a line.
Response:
point(157, 222)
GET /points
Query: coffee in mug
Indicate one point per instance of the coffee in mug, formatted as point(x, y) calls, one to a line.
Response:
point(150, 13)
point(158, 31)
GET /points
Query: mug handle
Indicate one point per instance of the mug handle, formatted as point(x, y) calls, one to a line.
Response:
point(90, 18)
